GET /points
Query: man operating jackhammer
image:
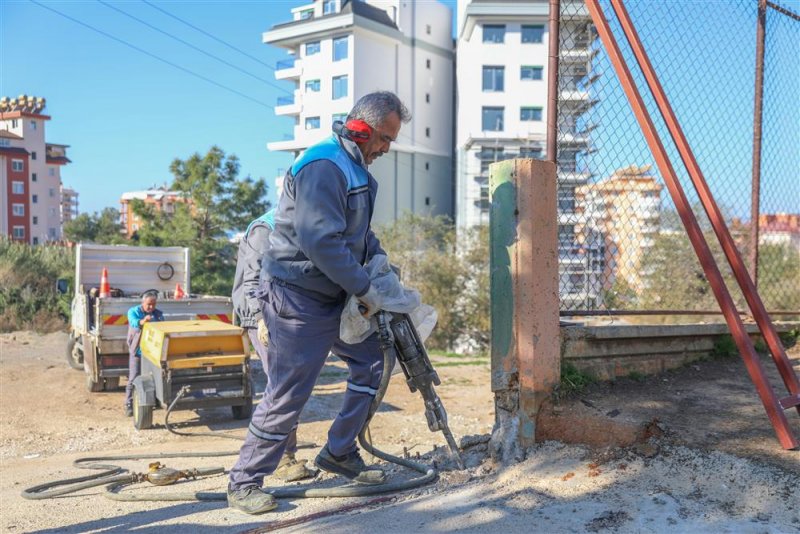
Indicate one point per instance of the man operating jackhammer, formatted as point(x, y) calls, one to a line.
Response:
point(318, 248)
point(252, 247)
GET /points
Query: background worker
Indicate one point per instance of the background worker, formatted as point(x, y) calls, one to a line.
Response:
point(318, 248)
point(138, 316)
point(246, 305)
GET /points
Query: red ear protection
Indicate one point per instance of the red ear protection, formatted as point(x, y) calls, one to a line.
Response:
point(358, 130)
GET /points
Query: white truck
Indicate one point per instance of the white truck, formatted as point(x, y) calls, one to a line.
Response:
point(99, 326)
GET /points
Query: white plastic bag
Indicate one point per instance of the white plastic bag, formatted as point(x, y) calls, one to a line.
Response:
point(355, 328)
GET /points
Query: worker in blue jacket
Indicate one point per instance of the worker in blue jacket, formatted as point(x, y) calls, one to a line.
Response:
point(317, 251)
point(138, 316)
point(247, 307)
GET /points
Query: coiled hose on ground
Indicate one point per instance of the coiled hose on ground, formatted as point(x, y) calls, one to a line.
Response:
point(115, 478)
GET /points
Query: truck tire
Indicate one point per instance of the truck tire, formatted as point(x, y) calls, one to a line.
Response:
point(74, 354)
point(142, 415)
point(92, 386)
point(244, 411)
point(112, 383)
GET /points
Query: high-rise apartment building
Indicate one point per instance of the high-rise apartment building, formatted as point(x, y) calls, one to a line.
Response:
point(340, 50)
point(502, 74)
point(30, 172)
point(69, 204)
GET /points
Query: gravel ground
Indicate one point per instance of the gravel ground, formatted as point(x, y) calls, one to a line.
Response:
point(684, 481)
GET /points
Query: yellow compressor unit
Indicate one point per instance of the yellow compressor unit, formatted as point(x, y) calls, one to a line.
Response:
point(211, 357)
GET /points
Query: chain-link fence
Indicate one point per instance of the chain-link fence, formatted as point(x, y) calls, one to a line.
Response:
point(622, 245)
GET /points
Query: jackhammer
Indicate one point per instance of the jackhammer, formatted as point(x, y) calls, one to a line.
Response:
point(407, 348)
point(399, 341)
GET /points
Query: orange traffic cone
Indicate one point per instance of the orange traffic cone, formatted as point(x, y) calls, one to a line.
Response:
point(179, 294)
point(105, 288)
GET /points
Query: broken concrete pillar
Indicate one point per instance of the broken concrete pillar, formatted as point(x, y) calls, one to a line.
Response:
point(525, 353)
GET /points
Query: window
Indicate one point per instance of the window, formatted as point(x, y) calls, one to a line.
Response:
point(532, 34)
point(427, 201)
point(493, 78)
point(428, 29)
point(494, 33)
point(306, 14)
point(52, 192)
point(530, 114)
point(492, 119)
point(328, 6)
point(339, 89)
point(535, 153)
point(19, 232)
point(5, 142)
point(340, 48)
point(35, 219)
point(427, 166)
point(566, 201)
point(33, 125)
point(527, 72)
point(35, 177)
point(427, 63)
point(312, 123)
point(427, 98)
point(18, 210)
point(35, 240)
point(427, 132)
point(18, 188)
point(341, 117)
point(312, 48)
point(17, 165)
point(35, 198)
point(14, 123)
point(312, 86)
point(33, 155)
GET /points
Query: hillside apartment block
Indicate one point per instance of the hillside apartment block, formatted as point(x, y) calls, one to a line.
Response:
point(30, 174)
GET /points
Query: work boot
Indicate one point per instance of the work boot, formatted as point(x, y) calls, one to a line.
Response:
point(290, 469)
point(251, 500)
point(351, 466)
point(128, 410)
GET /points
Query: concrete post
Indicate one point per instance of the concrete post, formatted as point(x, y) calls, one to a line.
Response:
point(525, 353)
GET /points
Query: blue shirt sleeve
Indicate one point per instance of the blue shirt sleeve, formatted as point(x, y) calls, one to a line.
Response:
point(135, 315)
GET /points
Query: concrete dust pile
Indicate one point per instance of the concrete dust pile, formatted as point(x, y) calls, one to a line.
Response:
point(561, 488)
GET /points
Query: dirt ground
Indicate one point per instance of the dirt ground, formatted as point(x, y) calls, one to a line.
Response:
point(714, 465)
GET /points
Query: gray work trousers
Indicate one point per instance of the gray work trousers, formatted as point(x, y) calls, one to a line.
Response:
point(261, 350)
point(302, 331)
point(134, 369)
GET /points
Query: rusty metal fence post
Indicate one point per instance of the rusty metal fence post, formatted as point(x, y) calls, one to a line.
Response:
point(758, 100)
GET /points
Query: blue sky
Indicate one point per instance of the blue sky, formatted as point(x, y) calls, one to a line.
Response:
point(127, 115)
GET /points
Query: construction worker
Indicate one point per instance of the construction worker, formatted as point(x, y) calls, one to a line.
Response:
point(247, 307)
point(138, 316)
point(318, 248)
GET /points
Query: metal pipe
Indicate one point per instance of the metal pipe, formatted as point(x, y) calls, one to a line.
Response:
point(749, 355)
point(587, 313)
point(755, 195)
point(716, 218)
point(552, 81)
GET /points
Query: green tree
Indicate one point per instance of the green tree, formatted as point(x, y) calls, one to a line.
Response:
point(450, 271)
point(218, 204)
point(103, 228)
point(779, 276)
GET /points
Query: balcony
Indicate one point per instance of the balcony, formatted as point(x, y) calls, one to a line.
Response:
point(287, 105)
point(288, 69)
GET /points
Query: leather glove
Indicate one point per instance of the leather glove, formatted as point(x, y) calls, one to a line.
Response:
point(262, 333)
point(372, 301)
